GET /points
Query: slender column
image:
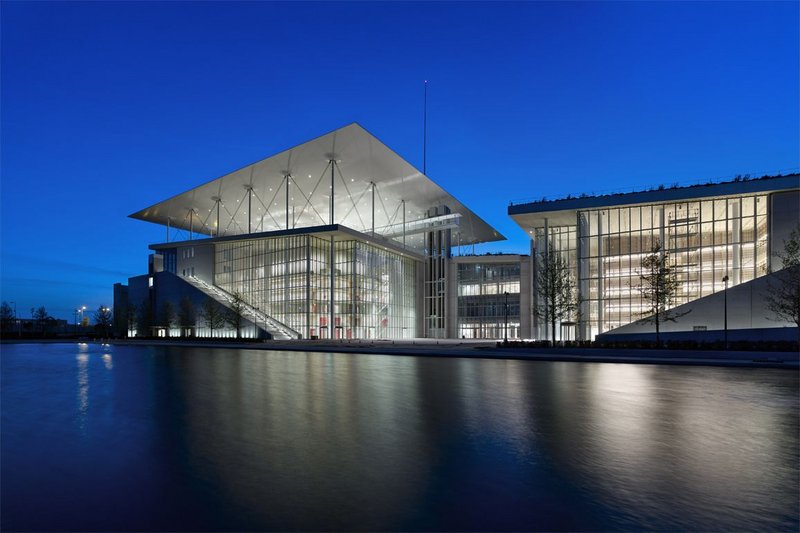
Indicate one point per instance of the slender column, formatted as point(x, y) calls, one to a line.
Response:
point(546, 265)
point(600, 292)
point(287, 175)
point(736, 239)
point(331, 313)
point(217, 232)
point(167, 229)
point(372, 183)
point(333, 184)
point(249, 209)
point(403, 207)
point(191, 224)
point(308, 287)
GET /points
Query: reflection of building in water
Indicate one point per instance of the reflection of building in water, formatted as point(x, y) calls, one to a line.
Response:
point(719, 237)
point(267, 424)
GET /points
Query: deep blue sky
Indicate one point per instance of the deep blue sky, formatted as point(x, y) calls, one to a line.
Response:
point(110, 107)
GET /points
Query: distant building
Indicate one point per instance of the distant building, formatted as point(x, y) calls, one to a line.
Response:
point(718, 236)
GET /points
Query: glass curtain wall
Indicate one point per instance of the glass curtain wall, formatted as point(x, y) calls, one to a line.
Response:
point(706, 241)
point(481, 300)
point(289, 278)
point(564, 241)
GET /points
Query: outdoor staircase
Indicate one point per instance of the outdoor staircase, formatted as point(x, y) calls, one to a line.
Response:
point(277, 329)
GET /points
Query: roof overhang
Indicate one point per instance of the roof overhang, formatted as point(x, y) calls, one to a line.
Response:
point(337, 231)
point(367, 177)
point(564, 212)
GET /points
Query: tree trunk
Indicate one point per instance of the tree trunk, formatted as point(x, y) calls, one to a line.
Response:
point(658, 332)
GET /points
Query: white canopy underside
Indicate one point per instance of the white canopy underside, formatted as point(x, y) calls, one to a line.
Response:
point(361, 159)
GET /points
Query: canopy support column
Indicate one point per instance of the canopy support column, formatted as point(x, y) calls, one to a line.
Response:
point(287, 176)
point(333, 185)
point(331, 312)
point(372, 183)
point(249, 209)
point(403, 207)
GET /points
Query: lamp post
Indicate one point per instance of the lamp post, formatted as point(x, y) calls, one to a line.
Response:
point(725, 305)
point(505, 333)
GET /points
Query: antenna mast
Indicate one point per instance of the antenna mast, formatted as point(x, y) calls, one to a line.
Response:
point(425, 131)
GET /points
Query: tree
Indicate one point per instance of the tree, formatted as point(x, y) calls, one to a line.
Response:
point(6, 317)
point(213, 316)
point(102, 319)
point(658, 285)
point(186, 314)
point(235, 313)
point(783, 297)
point(167, 316)
point(131, 318)
point(40, 316)
point(557, 287)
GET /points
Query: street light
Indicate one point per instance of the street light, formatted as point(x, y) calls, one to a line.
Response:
point(505, 335)
point(725, 299)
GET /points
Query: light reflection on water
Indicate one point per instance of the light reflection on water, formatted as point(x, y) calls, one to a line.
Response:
point(224, 439)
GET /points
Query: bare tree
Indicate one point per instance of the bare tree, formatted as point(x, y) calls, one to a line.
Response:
point(557, 286)
point(235, 313)
point(6, 317)
point(186, 314)
point(102, 319)
point(783, 297)
point(658, 285)
point(213, 316)
point(40, 315)
point(167, 316)
point(131, 318)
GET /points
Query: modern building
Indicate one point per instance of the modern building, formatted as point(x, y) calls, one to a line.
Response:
point(718, 237)
point(341, 238)
point(338, 238)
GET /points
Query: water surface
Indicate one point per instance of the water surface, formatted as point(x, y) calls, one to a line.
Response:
point(136, 438)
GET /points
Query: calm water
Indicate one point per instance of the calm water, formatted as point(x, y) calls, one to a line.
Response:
point(116, 438)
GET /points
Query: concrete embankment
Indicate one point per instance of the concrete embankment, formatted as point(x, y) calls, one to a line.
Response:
point(486, 350)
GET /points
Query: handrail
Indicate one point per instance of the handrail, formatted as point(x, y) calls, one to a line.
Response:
point(256, 314)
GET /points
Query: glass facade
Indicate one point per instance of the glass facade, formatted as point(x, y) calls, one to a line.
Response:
point(706, 239)
point(482, 301)
point(289, 278)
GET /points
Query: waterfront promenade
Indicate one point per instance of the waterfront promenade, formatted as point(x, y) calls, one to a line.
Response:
point(489, 350)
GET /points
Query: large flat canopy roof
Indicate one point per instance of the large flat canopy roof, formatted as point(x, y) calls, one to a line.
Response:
point(361, 160)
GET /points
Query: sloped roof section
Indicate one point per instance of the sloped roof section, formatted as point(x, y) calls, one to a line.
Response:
point(368, 177)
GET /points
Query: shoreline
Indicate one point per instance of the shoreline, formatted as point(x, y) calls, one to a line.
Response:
point(456, 348)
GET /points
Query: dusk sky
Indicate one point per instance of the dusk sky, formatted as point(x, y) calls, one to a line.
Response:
point(110, 107)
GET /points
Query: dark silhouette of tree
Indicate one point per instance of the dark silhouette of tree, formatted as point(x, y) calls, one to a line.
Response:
point(167, 316)
point(557, 287)
point(6, 317)
point(783, 297)
point(234, 315)
point(213, 316)
point(102, 320)
point(131, 318)
point(658, 285)
point(186, 313)
point(40, 316)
